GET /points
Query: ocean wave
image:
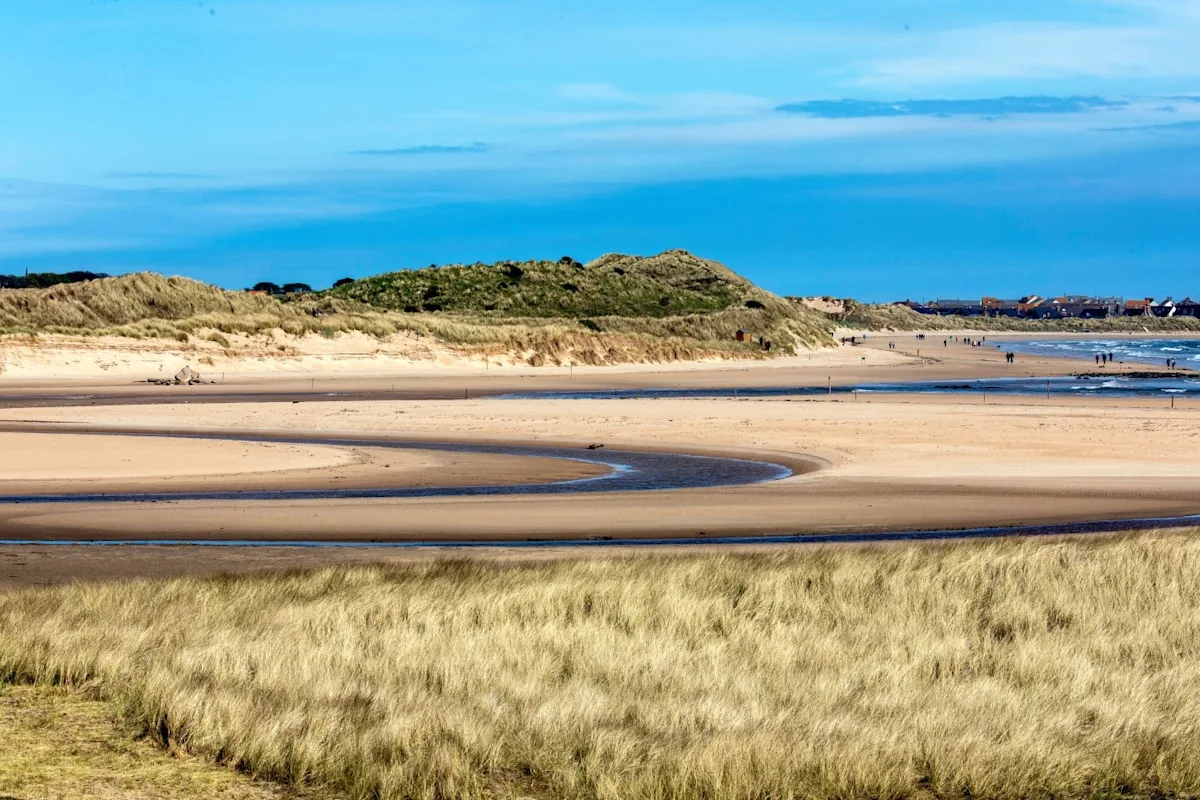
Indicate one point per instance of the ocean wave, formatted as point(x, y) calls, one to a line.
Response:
point(1145, 351)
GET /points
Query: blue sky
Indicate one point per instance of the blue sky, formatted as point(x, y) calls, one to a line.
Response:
point(864, 148)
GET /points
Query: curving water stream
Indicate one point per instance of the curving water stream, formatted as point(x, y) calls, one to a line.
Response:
point(629, 471)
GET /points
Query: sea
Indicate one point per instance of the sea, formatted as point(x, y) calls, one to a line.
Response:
point(1152, 352)
point(1131, 354)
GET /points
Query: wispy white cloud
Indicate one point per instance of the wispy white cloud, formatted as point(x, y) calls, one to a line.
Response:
point(427, 150)
point(1184, 126)
point(1161, 8)
point(988, 107)
point(153, 175)
point(745, 41)
point(598, 93)
point(1037, 51)
point(605, 105)
point(677, 105)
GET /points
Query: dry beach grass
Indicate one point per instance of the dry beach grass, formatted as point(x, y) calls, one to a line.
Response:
point(1005, 670)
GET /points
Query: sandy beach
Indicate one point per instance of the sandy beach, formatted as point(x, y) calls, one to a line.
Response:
point(894, 462)
point(869, 362)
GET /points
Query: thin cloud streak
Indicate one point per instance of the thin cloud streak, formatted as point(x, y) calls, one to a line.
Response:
point(983, 107)
point(188, 176)
point(1038, 51)
point(426, 150)
point(1165, 127)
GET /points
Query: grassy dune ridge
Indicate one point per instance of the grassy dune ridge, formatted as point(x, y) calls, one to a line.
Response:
point(1001, 670)
point(619, 309)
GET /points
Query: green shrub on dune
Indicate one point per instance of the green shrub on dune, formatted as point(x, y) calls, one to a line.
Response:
point(674, 283)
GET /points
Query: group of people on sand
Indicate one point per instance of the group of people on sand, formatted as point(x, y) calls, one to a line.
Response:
point(1170, 363)
point(964, 340)
point(1104, 359)
point(1010, 357)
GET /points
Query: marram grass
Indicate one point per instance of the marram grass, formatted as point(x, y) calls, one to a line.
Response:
point(1007, 670)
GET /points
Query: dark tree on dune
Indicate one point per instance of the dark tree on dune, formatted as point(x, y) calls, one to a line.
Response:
point(43, 280)
point(342, 282)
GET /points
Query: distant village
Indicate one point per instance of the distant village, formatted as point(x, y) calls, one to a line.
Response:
point(1065, 307)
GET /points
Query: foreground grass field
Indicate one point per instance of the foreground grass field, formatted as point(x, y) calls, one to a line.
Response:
point(1005, 670)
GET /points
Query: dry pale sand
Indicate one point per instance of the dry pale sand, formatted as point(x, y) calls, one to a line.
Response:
point(35, 457)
